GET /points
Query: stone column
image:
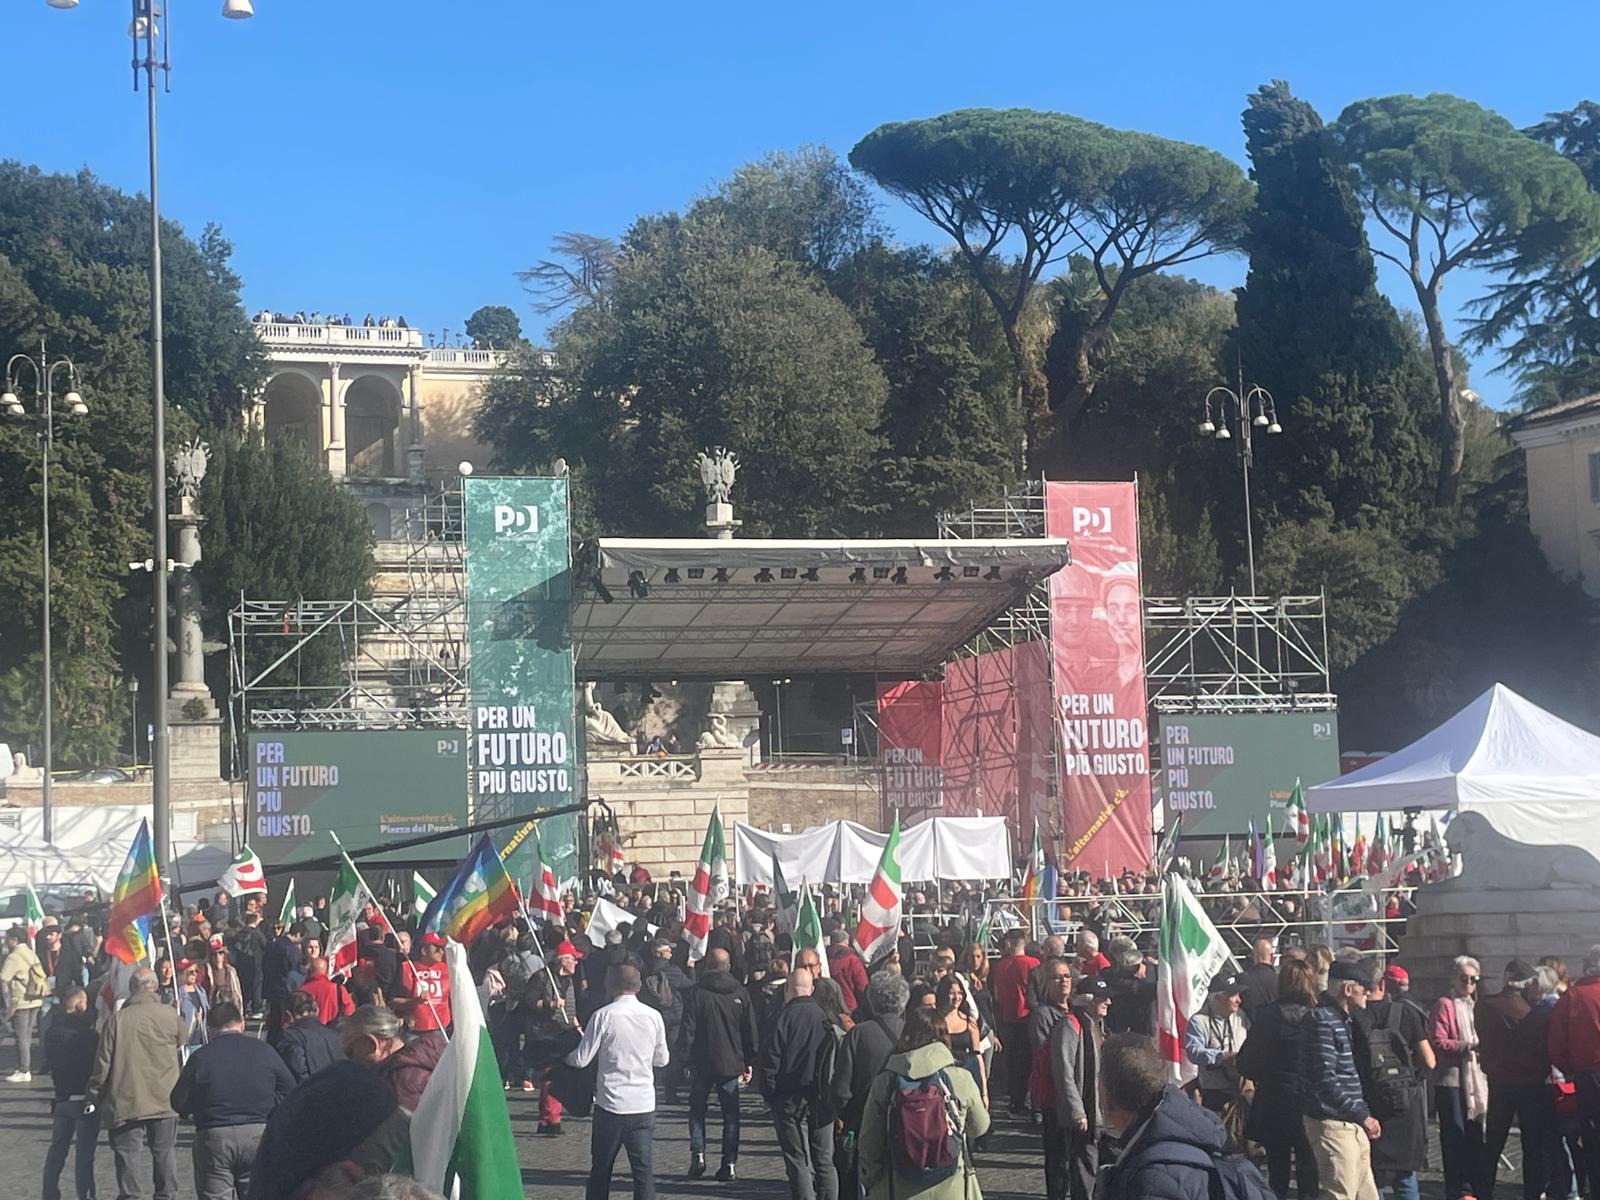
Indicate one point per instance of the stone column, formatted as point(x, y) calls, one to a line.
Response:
point(335, 421)
point(194, 726)
point(416, 466)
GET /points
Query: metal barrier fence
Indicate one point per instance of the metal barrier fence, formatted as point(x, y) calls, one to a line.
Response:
point(1352, 918)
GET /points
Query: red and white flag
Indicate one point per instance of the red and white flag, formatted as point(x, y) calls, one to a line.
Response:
point(1299, 815)
point(713, 865)
point(1269, 857)
point(243, 876)
point(544, 903)
point(878, 930)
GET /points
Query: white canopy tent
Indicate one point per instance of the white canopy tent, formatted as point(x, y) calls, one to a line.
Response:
point(943, 848)
point(1531, 775)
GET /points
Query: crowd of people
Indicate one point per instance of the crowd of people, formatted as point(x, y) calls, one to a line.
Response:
point(300, 317)
point(879, 1079)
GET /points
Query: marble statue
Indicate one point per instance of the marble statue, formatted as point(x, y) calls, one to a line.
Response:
point(600, 726)
point(1495, 863)
point(719, 736)
point(189, 466)
point(717, 471)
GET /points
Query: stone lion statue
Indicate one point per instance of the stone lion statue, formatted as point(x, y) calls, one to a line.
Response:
point(719, 736)
point(600, 726)
point(1495, 863)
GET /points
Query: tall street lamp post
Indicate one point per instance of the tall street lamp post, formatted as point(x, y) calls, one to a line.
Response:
point(44, 374)
point(150, 58)
point(1251, 409)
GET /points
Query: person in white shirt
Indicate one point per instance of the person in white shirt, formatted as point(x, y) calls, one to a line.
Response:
point(627, 1041)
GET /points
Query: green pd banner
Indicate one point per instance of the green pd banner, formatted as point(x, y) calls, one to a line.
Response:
point(368, 786)
point(1218, 772)
point(519, 596)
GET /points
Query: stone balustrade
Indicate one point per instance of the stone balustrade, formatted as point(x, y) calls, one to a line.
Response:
point(277, 333)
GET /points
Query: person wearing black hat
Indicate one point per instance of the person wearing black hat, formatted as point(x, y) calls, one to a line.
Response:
point(1213, 1039)
point(1339, 1125)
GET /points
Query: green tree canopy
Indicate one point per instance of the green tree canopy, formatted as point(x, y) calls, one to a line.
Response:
point(1041, 185)
point(494, 326)
point(1350, 379)
point(702, 340)
point(74, 259)
point(1453, 184)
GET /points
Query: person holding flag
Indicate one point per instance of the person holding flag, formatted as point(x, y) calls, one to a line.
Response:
point(243, 876)
point(1192, 954)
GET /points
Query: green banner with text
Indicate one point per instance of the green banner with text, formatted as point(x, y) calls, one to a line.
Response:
point(519, 593)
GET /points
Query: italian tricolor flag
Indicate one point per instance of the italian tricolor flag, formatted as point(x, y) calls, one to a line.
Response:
point(545, 902)
point(1299, 815)
point(1035, 868)
point(461, 1142)
point(1192, 952)
point(32, 913)
point(808, 931)
point(879, 928)
point(344, 910)
point(712, 868)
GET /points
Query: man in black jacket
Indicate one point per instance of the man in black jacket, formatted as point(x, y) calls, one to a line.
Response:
point(719, 1032)
point(862, 1055)
point(1260, 979)
point(229, 1088)
point(71, 1043)
point(306, 1044)
point(791, 1066)
point(666, 988)
point(249, 947)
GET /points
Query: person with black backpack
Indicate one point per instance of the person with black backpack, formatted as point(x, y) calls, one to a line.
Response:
point(920, 1119)
point(1392, 1033)
point(793, 1085)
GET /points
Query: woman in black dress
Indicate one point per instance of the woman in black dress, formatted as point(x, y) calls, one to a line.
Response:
point(950, 1004)
point(1271, 1057)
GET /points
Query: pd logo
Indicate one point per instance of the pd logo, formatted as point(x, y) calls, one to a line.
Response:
point(511, 518)
point(1091, 520)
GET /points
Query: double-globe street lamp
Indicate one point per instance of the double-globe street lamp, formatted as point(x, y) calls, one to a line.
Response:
point(44, 372)
point(151, 58)
point(1250, 409)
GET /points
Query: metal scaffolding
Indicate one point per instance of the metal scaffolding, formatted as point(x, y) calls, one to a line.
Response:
point(1237, 654)
point(392, 660)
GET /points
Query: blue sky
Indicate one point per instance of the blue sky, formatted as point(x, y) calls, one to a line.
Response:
point(407, 157)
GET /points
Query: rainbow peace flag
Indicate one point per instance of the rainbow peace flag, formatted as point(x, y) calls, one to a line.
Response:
point(135, 902)
point(478, 895)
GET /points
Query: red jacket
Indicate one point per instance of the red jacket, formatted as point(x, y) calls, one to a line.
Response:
point(1575, 1028)
point(1008, 981)
point(332, 1000)
point(845, 969)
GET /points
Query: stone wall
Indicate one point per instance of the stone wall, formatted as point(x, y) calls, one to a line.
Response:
point(798, 799)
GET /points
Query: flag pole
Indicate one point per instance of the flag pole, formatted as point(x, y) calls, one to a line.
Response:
point(366, 890)
point(522, 903)
point(166, 930)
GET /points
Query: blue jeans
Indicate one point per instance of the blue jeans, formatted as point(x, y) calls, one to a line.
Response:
point(611, 1132)
point(68, 1127)
point(1400, 1187)
point(727, 1090)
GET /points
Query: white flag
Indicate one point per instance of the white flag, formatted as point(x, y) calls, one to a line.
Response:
point(1192, 952)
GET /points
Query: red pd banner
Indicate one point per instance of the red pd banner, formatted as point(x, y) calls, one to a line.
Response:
point(1097, 642)
point(911, 744)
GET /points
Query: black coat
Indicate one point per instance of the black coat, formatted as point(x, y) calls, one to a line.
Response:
point(792, 1051)
point(1272, 1057)
point(307, 1046)
point(1260, 989)
point(862, 1055)
point(71, 1045)
point(719, 1026)
point(680, 985)
point(1168, 1155)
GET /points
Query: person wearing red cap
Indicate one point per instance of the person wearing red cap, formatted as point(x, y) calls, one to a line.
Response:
point(425, 987)
point(551, 1005)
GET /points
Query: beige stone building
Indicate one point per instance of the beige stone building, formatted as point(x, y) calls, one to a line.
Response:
point(388, 414)
point(1562, 444)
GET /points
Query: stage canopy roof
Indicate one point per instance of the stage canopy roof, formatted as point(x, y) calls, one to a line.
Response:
point(1531, 775)
point(710, 609)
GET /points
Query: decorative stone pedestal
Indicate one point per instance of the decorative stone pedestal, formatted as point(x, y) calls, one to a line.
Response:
point(194, 749)
point(1495, 927)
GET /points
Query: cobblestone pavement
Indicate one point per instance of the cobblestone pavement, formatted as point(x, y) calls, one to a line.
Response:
point(556, 1168)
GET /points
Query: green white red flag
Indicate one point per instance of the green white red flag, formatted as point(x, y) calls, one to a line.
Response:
point(1220, 868)
point(422, 894)
point(32, 913)
point(703, 888)
point(1191, 954)
point(544, 903)
point(1299, 815)
point(878, 930)
point(1035, 870)
point(243, 876)
point(808, 931)
point(286, 910)
point(460, 1141)
point(345, 902)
